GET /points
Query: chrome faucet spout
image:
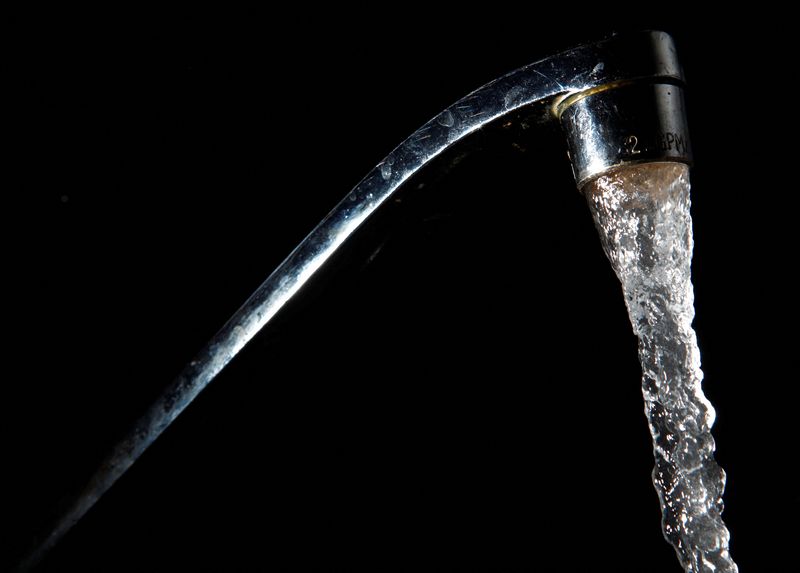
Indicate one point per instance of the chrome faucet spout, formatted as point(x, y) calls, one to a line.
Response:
point(618, 101)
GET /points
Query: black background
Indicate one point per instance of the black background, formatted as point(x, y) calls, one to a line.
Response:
point(469, 399)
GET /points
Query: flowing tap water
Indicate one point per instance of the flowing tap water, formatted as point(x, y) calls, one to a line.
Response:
point(642, 214)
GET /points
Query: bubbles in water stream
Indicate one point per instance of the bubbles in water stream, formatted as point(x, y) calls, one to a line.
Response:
point(642, 215)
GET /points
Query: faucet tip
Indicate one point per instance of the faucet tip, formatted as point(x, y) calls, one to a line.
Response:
point(625, 123)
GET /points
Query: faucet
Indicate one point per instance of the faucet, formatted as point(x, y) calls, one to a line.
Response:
point(618, 102)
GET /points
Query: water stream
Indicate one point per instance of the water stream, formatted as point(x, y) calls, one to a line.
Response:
point(642, 214)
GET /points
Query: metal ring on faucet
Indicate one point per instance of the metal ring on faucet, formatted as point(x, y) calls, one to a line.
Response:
point(624, 123)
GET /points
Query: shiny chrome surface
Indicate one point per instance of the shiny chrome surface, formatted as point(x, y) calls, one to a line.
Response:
point(535, 90)
point(637, 122)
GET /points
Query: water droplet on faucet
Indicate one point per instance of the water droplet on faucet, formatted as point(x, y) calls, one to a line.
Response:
point(386, 170)
point(446, 118)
